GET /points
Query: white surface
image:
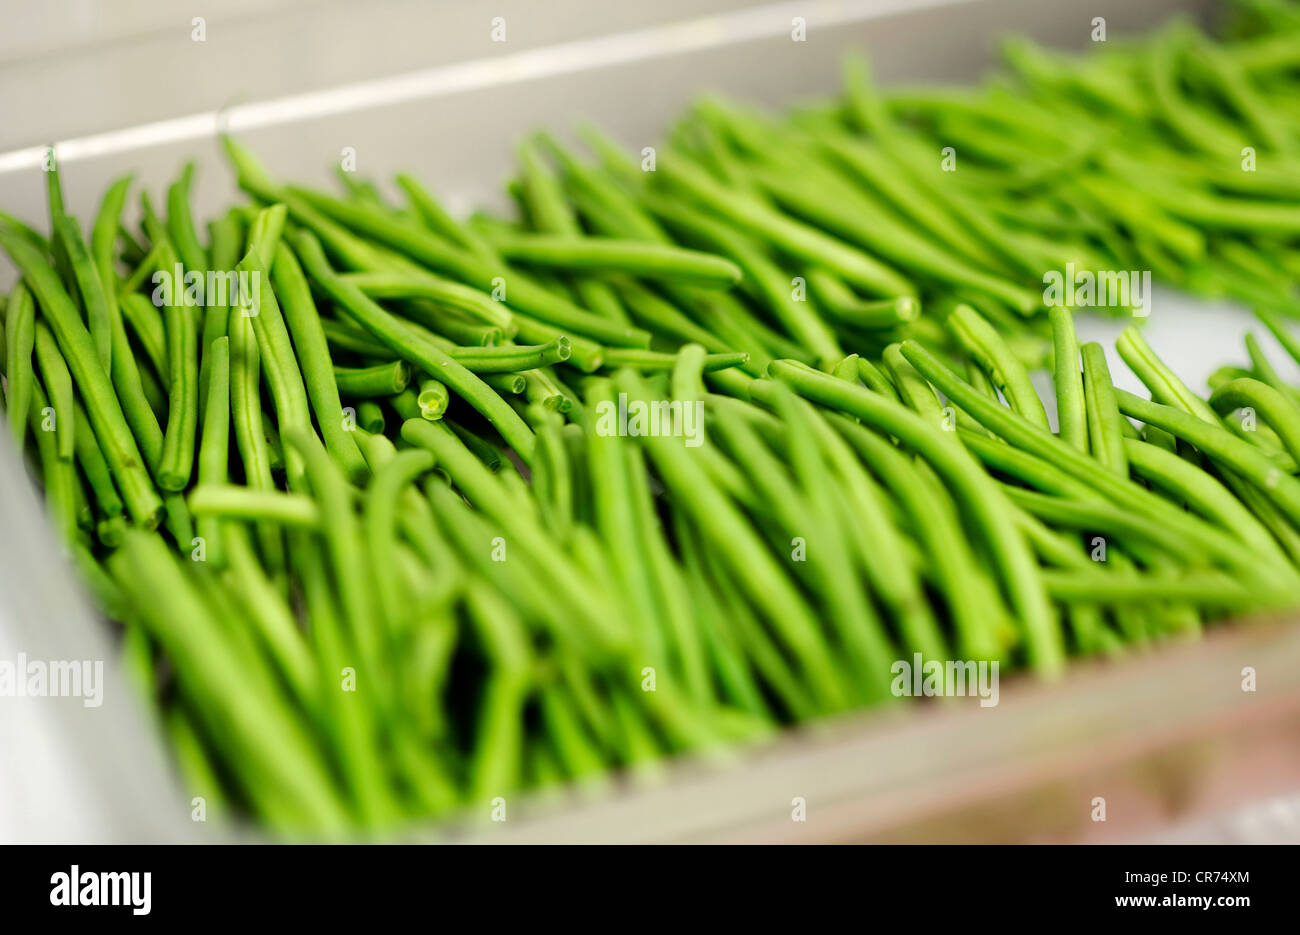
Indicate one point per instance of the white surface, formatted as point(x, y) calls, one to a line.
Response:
point(1193, 336)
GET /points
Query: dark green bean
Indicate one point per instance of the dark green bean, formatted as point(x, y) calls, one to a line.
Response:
point(372, 382)
point(20, 341)
point(58, 387)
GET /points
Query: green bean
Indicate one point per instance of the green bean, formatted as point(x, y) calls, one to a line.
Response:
point(520, 578)
point(1159, 379)
point(246, 416)
point(309, 344)
point(54, 200)
point(265, 229)
point(986, 346)
point(1274, 323)
point(736, 683)
point(608, 255)
point(1096, 515)
point(584, 354)
point(95, 469)
point(20, 341)
point(372, 382)
point(39, 243)
point(432, 399)
point(599, 198)
point(58, 476)
point(370, 417)
point(656, 360)
point(540, 386)
point(581, 758)
point(220, 500)
point(416, 351)
point(348, 337)
point(102, 405)
point(495, 764)
point(132, 252)
point(440, 324)
point(214, 441)
point(1071, 407)
point(276, 352)
point(1212, 589)
point(807, 514)
point(58, 386)
point(388, 285)
point(147, 324)
point(975, 608)
point(914, 392)
point(104, 233)
point(491, 456)
point(1105, 438)
point(180, 223)
point(876, 379)
point(914, 202)
point(100, 309)
point(1187, 533)
point(177, 461)
point(846, 307)
point(200, 777)
point(513, 358)
point(509, 384)
point(226, 242)
point(881, 545)
point(1264, 369)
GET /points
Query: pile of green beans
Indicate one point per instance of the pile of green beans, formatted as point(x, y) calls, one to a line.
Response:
point(384, 537)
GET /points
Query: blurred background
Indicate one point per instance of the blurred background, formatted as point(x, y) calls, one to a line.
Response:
point(1175, 747)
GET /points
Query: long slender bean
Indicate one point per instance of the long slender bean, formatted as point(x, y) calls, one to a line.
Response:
point(20, 342)
point(312, 350)
point(58, 388)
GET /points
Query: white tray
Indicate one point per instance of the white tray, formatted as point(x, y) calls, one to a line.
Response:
point(421, 86)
